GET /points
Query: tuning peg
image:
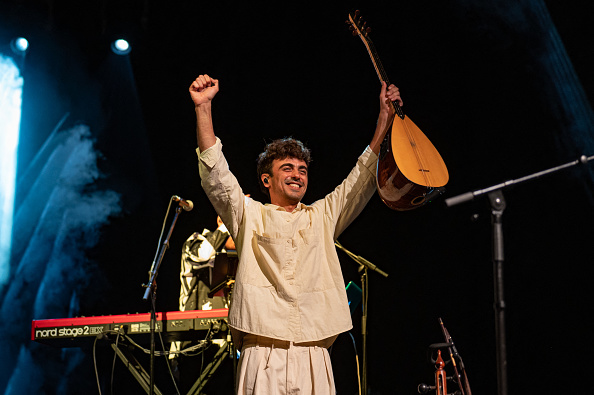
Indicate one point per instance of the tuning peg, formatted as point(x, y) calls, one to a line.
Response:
point(368, 30)
point(357, 12)
point(354, 32)
point(351, 27)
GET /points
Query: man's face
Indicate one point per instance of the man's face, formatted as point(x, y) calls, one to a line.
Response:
point(288, 182)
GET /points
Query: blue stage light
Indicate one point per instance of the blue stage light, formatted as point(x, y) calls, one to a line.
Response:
point(11, 88)
point(121, 47)
point(19, 45)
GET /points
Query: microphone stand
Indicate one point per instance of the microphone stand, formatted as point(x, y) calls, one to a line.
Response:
point(498, 205)
point(151, 290)
point(364, 266)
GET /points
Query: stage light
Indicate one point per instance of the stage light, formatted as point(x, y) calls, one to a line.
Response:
point(11, 89)
point(19, 45)
point(121, 47)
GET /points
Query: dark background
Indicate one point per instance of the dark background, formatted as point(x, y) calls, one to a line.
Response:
point(491, 86)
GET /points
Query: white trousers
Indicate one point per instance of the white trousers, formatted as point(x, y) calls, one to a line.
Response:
point(275, 367)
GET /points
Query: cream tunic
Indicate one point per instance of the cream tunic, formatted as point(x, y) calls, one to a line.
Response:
point(289, 284)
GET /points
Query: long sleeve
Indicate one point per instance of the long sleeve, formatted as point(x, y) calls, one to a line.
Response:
point(221, 187)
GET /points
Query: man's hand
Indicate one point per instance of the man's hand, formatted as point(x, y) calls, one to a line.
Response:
point(387, 95)
point(203, 89)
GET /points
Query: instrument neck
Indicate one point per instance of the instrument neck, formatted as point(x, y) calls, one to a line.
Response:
point(381, 73)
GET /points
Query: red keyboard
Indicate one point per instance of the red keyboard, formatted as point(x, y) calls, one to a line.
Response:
point(70, 332)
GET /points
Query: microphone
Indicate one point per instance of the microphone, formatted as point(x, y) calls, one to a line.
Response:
point(185, 204)
point(424, 388)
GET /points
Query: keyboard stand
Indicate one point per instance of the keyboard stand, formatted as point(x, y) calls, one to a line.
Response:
point(135, 368)
point(143, 378)
point(210, 369)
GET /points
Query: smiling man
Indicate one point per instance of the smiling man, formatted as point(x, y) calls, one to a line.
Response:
point(289, 301)
point(282, 170)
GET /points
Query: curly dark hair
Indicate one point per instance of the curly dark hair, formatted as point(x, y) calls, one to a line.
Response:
point(287, 147)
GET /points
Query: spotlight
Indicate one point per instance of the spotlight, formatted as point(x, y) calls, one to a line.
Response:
point(19, 45)
point(120, 47)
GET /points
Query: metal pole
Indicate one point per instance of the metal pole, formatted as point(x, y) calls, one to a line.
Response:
point(498, 205)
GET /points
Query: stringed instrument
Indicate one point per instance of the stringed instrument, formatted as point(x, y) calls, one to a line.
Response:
point(410, 171)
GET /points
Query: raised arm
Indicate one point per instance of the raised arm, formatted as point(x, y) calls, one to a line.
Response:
point(202, 91)
point(386, 115)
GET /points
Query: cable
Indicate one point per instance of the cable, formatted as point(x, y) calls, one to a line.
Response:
point(168, 365)
point(161, 236)
point(357, 361)
point(194, 350)
point(186, 351)
point(115, 354)
point(95, 364)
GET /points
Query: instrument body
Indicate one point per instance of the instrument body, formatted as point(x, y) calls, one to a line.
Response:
point(74, 332)
point(402, 183)
point(410, 169)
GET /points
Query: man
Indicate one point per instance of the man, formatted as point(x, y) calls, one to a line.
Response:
point(289, 302)
point(197, 263)
point(198, 258)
